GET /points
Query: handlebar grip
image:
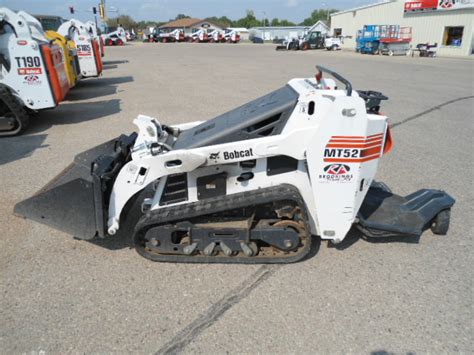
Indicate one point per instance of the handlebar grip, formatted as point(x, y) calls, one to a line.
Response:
point(338, 77)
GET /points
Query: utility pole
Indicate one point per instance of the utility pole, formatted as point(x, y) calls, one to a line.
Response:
point(327, 11)
point(264, 16)
point(94, 10)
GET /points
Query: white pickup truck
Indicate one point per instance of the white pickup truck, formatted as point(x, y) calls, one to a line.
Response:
point(333, 43)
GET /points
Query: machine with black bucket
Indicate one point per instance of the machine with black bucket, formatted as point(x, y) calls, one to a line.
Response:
point(253, 185)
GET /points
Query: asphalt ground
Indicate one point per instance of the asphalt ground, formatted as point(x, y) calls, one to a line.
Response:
point(402, 296)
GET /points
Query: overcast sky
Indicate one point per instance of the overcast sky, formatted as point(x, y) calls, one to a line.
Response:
point(163, 10)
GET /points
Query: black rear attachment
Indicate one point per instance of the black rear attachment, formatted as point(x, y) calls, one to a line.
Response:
point(384, 214)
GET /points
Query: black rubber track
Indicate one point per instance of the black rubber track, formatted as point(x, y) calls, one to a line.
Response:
point(19, 112)
point(216, 205)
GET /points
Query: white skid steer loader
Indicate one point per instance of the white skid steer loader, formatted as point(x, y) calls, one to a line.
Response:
point(88, 47)
point(250, 186)
point(231, 36)
point(91, 27)
point(32, 71)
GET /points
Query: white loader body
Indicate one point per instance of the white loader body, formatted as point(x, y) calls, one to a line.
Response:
point(335, 135)
point(252, 185)
point(78, 32)
point(27, 75)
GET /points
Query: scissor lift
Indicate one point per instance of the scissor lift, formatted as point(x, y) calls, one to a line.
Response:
point(384, 39)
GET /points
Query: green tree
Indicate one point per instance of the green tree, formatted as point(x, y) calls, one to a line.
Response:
point(146, 24)
point(287, 23)
point(126, 21)
point(181, 16)
point(227, 21)
point(318, 15)
point(223, 21)
point(250, 20)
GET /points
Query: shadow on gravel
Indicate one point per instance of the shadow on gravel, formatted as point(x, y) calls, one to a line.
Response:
point(15, 148)
point(112, 62)
point(92, 88)
point(355, 235)
point(72, 113)
point(384, 352)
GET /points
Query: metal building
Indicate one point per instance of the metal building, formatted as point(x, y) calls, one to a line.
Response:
point(287, 32)
point(278, 32)
point(449, 23)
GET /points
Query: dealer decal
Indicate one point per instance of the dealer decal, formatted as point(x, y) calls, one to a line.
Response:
point(353, 149)
point(336, 173)
point(29, 71)
point(446, 4)
point(32, 79)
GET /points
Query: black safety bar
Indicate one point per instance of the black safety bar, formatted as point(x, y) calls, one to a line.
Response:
point(338, 77)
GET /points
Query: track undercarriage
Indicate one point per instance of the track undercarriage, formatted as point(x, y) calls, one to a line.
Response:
point(13, 116)
point(269, 226)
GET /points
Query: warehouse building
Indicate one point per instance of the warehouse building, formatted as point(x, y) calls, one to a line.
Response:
point(449, 23)
point(269, 33)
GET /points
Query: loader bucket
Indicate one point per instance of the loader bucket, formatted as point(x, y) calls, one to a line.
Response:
point(75, 201)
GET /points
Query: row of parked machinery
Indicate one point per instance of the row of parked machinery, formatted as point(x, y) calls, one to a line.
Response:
point(372, 39)
point(197, 36)
point(118, 37)
point(38, 68)
point(311, 40)
point(390, 40)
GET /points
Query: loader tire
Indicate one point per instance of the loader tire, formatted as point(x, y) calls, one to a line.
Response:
point(440, 223)
point(12, 109)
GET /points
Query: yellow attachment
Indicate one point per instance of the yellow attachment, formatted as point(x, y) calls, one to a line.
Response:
point(70, 56)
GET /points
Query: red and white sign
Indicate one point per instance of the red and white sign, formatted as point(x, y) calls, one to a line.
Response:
point(437, 5)
point(27, 71)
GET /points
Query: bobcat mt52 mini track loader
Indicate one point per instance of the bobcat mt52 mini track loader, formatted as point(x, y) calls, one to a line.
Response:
point(88, 51)
point(250, 186)
point(33, 75)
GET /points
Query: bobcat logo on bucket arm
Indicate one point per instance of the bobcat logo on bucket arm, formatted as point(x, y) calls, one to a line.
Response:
point(214, 156)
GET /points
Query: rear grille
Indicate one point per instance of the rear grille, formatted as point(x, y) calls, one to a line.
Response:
point(176, 190)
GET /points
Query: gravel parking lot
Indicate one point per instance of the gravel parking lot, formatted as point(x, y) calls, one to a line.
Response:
point(406, 296)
